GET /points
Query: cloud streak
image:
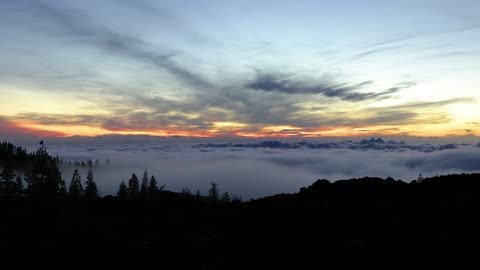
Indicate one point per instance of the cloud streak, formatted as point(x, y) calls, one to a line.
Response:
point(163, 117)
point(9, 128)
point(344, 91)
point(78, 28)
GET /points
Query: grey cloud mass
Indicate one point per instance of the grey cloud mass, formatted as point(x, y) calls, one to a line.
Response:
point(269, 82)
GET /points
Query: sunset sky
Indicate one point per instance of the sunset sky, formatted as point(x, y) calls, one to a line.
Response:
point(267, 68)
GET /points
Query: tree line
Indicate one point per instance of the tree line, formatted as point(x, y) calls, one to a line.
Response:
point(148, 189)
point(83, 164)
point(44, 179)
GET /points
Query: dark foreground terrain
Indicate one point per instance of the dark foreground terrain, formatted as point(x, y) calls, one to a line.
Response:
point(343, 221)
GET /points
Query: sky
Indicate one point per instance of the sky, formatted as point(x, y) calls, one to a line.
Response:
point(211, 68)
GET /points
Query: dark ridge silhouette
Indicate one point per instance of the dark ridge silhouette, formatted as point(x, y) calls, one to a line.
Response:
point(340, 222)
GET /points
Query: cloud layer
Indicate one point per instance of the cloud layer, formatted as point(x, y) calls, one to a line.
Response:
point(256, 169)
point(343, 91)
point(363, 145)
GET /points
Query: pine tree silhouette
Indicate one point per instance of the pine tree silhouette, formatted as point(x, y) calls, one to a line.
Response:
point(213, 193)
point(186, 192)
point(236, 198)
point(62, 188)
point(7, 174)
point(226, 197)
point(19, 184)
point(144, 186)
point(122, 193)
point(91, 191)
point(7, 185)
point(133, 187)
point(43, 178)
point(152, 188)
point(76, 189)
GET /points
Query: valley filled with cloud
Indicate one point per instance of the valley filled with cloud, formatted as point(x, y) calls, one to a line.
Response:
point(257, 168)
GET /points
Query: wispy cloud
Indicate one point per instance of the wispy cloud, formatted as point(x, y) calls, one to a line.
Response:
point(269, 82)
point(133, 78)
point(75, 27)
point(377, 51)
point(174, 117)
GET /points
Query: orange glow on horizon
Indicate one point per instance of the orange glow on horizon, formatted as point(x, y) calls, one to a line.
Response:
point(88, 131)
point(232, 129)
point(12, 128)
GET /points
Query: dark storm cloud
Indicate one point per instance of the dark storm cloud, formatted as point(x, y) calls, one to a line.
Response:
point(58, 21)
point(269, 82)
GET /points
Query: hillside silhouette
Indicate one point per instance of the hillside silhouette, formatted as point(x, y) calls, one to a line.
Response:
point(348, 219)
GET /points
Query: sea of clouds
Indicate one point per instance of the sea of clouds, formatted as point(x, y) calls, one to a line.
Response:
point(253, 169)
